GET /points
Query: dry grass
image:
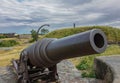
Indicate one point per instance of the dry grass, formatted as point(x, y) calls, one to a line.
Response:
point(7, 55)
point(9, 39)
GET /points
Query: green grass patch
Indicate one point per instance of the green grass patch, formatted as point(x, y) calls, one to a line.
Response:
point(89, 73)
point(8, 43)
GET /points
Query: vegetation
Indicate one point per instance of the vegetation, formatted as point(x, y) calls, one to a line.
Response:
point(113, 34)
point(2, 36)
point(8, 43)
point(34, 36)
point(7, 55)
point(44, 31)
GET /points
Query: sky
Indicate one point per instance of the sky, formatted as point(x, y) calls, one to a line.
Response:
point(21, 16)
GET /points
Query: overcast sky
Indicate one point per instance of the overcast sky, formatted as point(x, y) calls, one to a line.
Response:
point(21, 16)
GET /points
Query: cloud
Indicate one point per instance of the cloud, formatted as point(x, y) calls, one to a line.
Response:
point(23, 15)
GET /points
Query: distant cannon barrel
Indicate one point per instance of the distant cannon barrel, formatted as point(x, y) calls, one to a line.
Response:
point(49, 51)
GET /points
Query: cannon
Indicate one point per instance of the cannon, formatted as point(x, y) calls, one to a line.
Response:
point(38, 61)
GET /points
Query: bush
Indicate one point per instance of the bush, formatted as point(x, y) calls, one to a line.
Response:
point(8, 43)
point(34, 36)
point(90, 73)
point(2, 36)
point(82, 65)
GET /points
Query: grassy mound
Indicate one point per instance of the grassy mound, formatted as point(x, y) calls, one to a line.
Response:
point(113, 34)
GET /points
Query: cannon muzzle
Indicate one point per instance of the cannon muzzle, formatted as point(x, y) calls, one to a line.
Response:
point(49, 51)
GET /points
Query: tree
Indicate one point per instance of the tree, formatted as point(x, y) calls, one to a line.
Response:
point(34, 35)
point(44, 31)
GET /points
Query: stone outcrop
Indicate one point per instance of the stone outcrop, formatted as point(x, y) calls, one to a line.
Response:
point(7, 75)
point(107, 68)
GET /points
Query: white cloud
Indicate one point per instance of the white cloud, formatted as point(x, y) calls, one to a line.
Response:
point(28, 13)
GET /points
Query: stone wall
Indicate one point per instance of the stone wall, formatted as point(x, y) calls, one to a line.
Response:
point(7, 75)
point(107, 68)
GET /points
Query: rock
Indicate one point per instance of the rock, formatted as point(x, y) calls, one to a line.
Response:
point(7, 75)
point(67, 71)
point(107, 68)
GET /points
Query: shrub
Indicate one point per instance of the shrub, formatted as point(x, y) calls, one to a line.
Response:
point(82, 65)
point(8, 43)
point(2, 36)
point(34, 36)
point(90, 73)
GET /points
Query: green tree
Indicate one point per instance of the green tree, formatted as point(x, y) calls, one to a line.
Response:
point(34, 35)
point(44, 31)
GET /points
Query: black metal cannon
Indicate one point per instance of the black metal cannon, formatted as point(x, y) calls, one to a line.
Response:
point(39, 60)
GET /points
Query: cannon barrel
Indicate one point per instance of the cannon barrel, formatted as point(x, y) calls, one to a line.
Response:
point(49, 51)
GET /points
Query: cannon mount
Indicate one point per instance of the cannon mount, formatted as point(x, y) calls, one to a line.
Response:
point(30, 74)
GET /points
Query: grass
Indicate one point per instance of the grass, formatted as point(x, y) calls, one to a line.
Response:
point(7, 55)
point(8, 43)
point(20, 41)
point(113, 34)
